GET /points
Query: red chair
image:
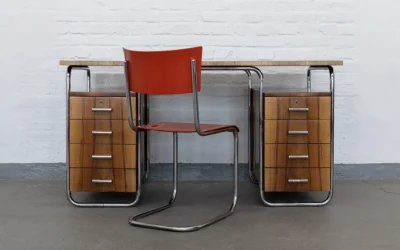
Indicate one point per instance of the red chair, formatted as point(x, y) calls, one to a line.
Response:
point(166, 73)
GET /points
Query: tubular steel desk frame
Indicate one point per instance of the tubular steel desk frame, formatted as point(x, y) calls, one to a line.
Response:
point(247, 67)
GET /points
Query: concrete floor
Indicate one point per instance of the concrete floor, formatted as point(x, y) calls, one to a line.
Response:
point(363, 215)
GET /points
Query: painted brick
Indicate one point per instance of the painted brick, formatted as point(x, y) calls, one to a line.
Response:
point(44, 31)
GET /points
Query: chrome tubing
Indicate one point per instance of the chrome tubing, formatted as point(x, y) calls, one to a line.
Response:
point(146, 121)
point(248, 70)
point(134, 220)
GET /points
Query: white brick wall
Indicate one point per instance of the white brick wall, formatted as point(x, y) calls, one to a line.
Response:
point(36, 34)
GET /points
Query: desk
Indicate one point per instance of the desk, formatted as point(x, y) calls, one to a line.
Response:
point(255, 111)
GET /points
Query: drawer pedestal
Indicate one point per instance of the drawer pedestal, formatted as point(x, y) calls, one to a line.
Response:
point(294, 141)
point(102, 146)
point(103, 152)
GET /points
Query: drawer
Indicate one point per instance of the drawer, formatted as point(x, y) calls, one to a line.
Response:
point(297, 131)
point(101, 132)
point(102, 156)
point(100, 108)
point(297, 108)
point(297, 179)
point(102, 180)
point(297, 155)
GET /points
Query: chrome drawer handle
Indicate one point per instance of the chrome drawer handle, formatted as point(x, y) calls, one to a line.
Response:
point(298, 180)
point(298, 156)
point(298, 109)
point(102, 132)
point(298, 132)
point(101, 109)
point(101, 157)
point(102, 181)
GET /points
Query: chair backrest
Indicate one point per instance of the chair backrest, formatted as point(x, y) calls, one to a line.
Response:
point(163, 72)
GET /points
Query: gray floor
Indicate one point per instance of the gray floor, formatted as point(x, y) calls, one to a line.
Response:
point(363, 215)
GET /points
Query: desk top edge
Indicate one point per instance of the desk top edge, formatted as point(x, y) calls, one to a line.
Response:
point(214, 63)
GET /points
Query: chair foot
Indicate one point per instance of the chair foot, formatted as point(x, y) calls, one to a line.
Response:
point(133, 221)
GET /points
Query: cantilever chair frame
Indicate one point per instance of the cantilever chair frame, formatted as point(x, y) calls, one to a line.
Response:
point(134, 220)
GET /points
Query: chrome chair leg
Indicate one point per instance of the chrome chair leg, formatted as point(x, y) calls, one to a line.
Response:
point(133, 220)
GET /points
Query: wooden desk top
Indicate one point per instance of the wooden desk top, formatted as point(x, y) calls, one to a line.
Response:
point(213, 63)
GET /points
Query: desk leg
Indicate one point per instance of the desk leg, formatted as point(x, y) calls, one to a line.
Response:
point(145, 141)
point(250, 129)
point(248, 71)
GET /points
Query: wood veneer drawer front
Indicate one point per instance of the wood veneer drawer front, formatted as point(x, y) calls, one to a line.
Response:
point(297, 179)
point(101, 132)
point(297, 155)
point(297, 108)
point(297, 131)
point(100, 108)
point(102, 180)
point(102, 156)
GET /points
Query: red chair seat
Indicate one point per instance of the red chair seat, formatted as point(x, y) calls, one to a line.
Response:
point(183, 127)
